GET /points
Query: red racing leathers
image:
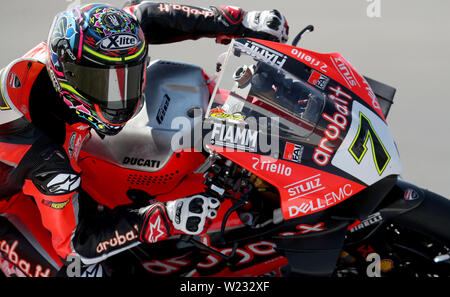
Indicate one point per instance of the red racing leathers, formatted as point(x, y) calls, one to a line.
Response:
point(40, 140)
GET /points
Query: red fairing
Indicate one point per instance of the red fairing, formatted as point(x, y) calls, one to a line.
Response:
point(335, 66)
point(108, 183)
point(303, 190)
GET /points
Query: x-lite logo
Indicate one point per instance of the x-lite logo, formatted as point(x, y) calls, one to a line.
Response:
point(119, 42)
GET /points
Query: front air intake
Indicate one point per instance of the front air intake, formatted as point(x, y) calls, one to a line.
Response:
point(149, 179)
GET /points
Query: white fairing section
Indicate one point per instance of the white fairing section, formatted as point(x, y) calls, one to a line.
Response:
point(366, 169)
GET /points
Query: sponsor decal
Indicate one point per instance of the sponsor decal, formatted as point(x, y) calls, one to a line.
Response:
point(166, 7)
point(220, 113)
point(55, 205)
point(411, 194)
point(293, 152)
point(156, 231)
point(235, 137)
point(365, 250)
point(372, 95)
point(263, 53)
point(345, 71)
point(113, 21)
point(305, 228)
point(386, 265)
point(141, 162)
point(237, 117)
point(317, 204)
point(303, 56)
point(372, 219)
point(247, 254)
point(304, 187)
point(260, 248)
point(64, 183)
point(74, 146)
point(318, 79)
point(163, 109)
point(120, 41)
point(270, 165)
point(14, 81)
point(11, 263)
point(116, 240)
point(337, 123)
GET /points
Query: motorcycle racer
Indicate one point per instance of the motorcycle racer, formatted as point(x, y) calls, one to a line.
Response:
point(95, 60)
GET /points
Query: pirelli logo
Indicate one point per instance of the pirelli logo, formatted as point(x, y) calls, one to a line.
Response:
point(3, 104)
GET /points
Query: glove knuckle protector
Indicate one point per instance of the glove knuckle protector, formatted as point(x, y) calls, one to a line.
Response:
point(189, 214)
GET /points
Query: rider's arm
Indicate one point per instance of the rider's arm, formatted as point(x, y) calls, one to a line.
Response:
point(167, 22)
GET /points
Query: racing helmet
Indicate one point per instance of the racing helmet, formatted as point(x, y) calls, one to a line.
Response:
point(97, 57)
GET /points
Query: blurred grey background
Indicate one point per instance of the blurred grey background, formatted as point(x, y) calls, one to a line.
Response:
point(405, 44)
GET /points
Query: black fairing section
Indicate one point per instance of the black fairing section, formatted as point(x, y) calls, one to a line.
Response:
point(364, 203)
point(428, 214)
point(414, 208)
point(313, 254)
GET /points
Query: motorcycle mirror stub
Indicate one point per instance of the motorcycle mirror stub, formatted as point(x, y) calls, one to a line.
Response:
point(309, 28)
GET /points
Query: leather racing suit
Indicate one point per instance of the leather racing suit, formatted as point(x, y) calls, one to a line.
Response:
point(40, 139)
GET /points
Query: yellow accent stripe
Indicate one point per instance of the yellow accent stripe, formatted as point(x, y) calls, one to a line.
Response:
point(108, 58)
point(70, 88)
point(6, 107)
point(136, 54)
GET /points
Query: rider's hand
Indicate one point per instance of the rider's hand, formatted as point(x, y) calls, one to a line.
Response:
point(189, 215)
point(182, 216)
point(266, 24)
point(270, 25)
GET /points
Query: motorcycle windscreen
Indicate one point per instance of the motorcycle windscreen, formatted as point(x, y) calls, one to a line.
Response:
point(250, 87)
point(116, 90)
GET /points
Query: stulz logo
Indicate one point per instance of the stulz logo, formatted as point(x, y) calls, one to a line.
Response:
point(119, 41)
point(264, 53)
point(345, 71)
point(338, 122)
point(318, 204)
point(304, 187)
point(233, 136)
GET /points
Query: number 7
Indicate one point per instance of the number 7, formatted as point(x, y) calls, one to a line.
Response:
point(359, 145)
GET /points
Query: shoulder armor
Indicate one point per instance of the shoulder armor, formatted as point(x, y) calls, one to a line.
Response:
point(16, 81)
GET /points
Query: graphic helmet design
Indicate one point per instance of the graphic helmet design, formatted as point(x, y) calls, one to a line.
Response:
point(97, 61)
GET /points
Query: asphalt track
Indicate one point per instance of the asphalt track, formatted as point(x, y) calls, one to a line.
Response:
point(407, 46)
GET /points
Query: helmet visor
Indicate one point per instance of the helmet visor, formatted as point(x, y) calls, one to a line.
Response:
point(117, 90)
